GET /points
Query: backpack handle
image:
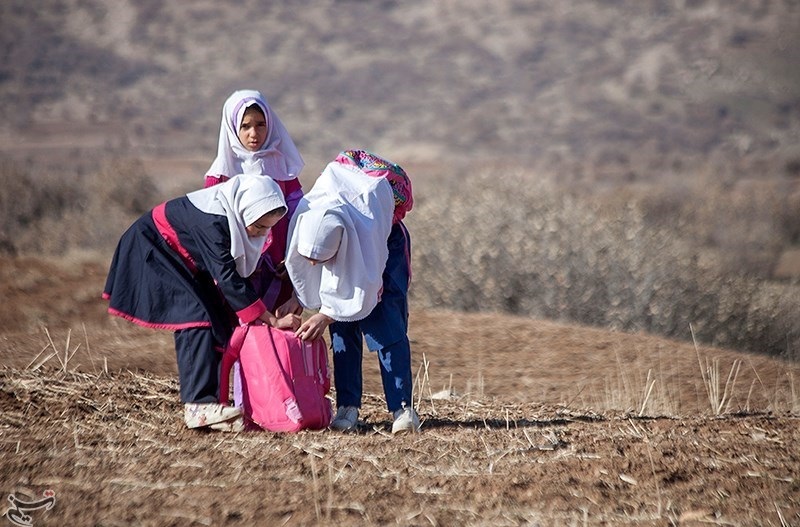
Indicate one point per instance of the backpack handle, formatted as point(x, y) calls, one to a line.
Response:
point(229, 357)
point(286, 378)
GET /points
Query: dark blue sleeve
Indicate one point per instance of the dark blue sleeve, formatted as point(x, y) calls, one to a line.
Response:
point(213, 245)
point(207, 239)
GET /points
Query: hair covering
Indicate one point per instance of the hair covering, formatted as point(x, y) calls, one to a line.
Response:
point(320, 234)
point(376, 166)
point(355, 209)
point(278, 156)
point(242, 200)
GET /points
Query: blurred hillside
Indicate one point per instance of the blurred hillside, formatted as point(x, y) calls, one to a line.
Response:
point(632, 164)
point(590, 90)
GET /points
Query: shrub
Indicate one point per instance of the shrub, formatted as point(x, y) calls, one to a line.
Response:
point(48, 214)
point(525, 246)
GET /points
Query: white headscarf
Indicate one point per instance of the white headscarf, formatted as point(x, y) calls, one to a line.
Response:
point(320, 234)
point(242, 200)
point(278, 156)
point(349, 214)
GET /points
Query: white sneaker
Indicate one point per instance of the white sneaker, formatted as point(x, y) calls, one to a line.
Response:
point(405, 420)
point(346, 418)
point(197, 415)
point(232, 425)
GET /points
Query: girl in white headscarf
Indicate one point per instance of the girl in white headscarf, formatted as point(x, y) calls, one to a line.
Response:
point(253, 146)
point(349, 259)
point(337, 251)
point(253, 140)
point(184, 266)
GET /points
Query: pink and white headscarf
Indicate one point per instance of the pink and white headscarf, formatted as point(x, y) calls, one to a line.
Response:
point(277, 158)
point(347, 215)
point(376, 166)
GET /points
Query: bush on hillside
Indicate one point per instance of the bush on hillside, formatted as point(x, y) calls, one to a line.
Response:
point(50, 214)
point(525, 247)
point(626, 260)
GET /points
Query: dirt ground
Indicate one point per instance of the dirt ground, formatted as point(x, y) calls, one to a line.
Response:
point(525, 422)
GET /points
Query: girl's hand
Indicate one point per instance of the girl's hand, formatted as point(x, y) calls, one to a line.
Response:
point(289, 321)
point(314, 327)
point(290, 306)
point(281, 272)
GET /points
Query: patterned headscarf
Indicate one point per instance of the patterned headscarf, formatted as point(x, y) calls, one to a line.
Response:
point(376, 166)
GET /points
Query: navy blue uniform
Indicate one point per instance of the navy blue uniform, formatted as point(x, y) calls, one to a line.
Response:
point(173, 269)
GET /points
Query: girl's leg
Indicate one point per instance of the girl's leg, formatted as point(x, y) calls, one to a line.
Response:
point(198, 365)
point(346, 344)
point(386, 328)
point(395, 364)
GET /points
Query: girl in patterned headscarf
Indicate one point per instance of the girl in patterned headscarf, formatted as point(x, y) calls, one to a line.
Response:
point(253, 140)
point(349, 258)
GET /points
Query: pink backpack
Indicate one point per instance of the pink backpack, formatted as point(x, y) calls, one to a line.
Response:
point(284, 380)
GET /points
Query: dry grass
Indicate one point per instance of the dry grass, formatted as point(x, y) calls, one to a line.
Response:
point(112, 448)
point(111, 444)
point(604, 259)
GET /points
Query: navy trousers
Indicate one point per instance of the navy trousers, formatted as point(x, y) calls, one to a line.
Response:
point(385, 331)
point(198, 365)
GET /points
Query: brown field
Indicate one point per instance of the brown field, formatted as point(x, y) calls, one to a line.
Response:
point(607, 171)
point(525, 422)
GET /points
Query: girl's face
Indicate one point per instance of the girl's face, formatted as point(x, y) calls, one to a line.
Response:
point(262, 225)
point(253, 130)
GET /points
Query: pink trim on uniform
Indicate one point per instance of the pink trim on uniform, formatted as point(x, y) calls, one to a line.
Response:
point(153, 325)
point(171, 237)
point(215, 180)
point(252, 312)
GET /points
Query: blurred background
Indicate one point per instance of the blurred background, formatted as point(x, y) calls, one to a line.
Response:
point(627, 164)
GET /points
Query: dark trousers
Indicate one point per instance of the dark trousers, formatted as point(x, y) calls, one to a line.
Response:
point(395, 366)
point(198, 365)
point(385, 331)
